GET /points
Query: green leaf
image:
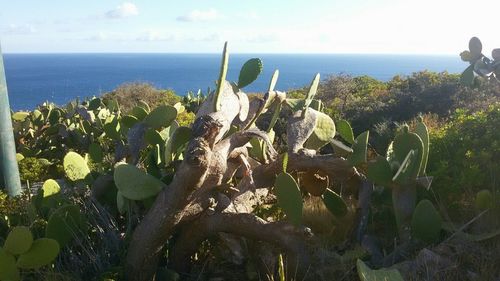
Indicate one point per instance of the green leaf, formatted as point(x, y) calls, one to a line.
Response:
point(422, 131)
point(249, 72)
point(19, 240)
point(50, 187)
point(75, 166)
point(345, 131)
point(64, 224)
point(274, 80)
point(162, 116)
point(475, 46)
point(359, 148)
point(95, 152)
point(20, 116)
point(324, 131)
point(334, 203)
point(42, 252)
point(289, 197)
point(8, 268)
point(379, 171)
point(426, 222)
point(135, 184)
point(139, 112)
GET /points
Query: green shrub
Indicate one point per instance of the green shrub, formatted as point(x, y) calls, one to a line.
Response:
point(465, 153)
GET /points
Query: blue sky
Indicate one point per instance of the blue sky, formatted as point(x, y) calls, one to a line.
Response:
point(280, 26)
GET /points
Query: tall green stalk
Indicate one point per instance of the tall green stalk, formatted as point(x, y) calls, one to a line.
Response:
point(8, 162)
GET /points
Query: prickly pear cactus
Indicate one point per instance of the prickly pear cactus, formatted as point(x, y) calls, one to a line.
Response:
point(426, 222)
point(222, 79)
point(134, 184)
point(359, 149)
point(162, 116)
point(289, 197)
point(249, 72)
point(344, 129)
point(8, 268)
point(75, 167)
point(422, 131)
point(64, 224)
point(18, 241)
point(42, 252)
point(334, 203)
point(484, 200)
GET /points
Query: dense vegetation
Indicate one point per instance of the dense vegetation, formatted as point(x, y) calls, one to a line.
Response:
point(98, 170)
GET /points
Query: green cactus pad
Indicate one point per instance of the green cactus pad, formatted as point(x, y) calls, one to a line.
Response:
point(8, 268)
point(19, 240)
point(312, 92)
point(403, 143)
point(406, 171)
point(249, 72)
point(345, 131)
point(42, 252)
point(367, 274)
point(273, 81)
point(75, 166)
point(426, 222)
point(484, 200)
point(334, 203)
point(153, 137)
point(128, 121)
point(379, 171)
point(180, 108)
point(324, 131)
point(139, 112)
point(135, 184)
point(475, 47)
point(359, 148)
point(20, 116)
point(222, 78)
point(112, 128)
point(50, 187)
point(19, 157)
point(94, 104)
point(422, 131)
point(121, 203)
point(95, 152)
point(64, 224)
point(467, 76)
point(289, 197)
point(162, 116)
point(181, 136)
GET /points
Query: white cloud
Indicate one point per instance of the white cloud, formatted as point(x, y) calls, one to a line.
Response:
point(19, 29)
point(152, 36)
point(199, 15)
point(125, 10)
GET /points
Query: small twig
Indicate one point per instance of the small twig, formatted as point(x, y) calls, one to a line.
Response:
point(461, 229)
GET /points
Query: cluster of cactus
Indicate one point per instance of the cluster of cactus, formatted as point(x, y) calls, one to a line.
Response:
point(21, 251)
point(479, 63)
point(402, 170)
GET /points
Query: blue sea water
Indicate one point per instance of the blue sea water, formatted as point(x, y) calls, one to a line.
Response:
point(35, 78)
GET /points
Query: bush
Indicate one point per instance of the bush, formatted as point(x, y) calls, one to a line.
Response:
point(464, 154)
point(128, 95)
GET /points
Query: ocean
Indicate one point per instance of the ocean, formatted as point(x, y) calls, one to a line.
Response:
point(59, 78)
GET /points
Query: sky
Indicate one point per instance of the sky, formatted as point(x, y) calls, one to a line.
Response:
point(257, 26)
